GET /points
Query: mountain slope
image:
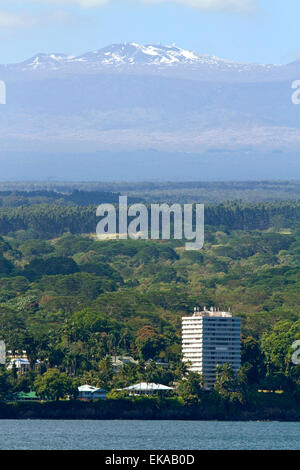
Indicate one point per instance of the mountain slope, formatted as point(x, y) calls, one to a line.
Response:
point(135, 58)
point(128, 97)
point(121, 54)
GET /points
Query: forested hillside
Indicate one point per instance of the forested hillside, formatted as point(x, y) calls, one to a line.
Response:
point(71, 301)
point(47, 221)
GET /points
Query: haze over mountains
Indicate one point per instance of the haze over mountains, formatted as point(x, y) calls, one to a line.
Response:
point(98, 115)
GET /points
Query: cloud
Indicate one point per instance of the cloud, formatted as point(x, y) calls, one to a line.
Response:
point(9, 20)
point(81, 3)
point(239, 6)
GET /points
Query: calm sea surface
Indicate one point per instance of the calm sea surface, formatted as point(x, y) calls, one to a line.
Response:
point(152, 435)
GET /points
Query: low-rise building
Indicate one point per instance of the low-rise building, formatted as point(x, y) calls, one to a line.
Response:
point(21, 364)
point(158, 363)
point(19, 361)
point(88, 392)
point(119, 361)
point(146, 388)
point(26, 396)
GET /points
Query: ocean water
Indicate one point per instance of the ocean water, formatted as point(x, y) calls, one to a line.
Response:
point(147, 435)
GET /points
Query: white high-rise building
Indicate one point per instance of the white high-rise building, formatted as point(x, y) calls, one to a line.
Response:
point(211, 338)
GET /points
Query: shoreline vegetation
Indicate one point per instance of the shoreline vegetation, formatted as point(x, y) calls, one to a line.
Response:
point(147, 409)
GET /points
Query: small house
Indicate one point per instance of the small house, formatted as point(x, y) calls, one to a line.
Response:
point(88, 392)
point(146, 388)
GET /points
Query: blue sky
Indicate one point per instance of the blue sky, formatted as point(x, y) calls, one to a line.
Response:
point(265, 31)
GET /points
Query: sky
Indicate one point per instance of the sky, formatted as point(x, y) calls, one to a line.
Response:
point(263, 31)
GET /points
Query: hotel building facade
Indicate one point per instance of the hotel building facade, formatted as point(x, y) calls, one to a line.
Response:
point(211, 338)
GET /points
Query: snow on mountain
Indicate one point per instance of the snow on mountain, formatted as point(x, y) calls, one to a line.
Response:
point(131, 96)
point(45, 61)
point(118, 54)
point(133, 54)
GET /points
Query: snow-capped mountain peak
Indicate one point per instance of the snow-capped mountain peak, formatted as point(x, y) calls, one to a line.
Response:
point(127, 54)
point(133, 53)
point(149, 59)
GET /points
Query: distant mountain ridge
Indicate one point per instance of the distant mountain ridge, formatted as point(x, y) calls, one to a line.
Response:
point(129, 53)
point(133, 54)
point(130, 97)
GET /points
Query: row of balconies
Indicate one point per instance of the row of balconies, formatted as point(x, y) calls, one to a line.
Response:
point(209, 364)
point(205, 328)
point(221, 341)
point(211, 340)
point(212, 346)
point(193, 353)
point(227, 357)
point(212, 363)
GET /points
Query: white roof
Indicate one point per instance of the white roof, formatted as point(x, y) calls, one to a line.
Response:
point(144, 386)
point(21, 361)
point(89, 388)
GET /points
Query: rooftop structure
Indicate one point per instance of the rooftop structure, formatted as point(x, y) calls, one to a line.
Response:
point(23, 396)
point(119, 361)
point(88, 392)
point(212, 312)
point(147, 388)
point(21, 364)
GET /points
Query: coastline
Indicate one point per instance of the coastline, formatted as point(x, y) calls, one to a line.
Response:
point(127, 410)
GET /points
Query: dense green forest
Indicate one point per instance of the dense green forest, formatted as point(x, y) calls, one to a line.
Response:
point(46, 221)
point(72, 301)
point(180, 192)
point(19, 198)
